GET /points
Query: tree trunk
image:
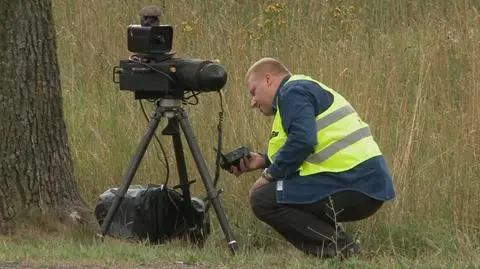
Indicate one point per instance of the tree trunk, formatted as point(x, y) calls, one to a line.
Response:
point(36, 168)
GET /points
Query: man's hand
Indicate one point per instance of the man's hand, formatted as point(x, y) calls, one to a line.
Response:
point(260, 182)
point(247, 164)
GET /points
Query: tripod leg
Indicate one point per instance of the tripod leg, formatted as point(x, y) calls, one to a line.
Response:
point(182, 174)
point(207, 180)
point(132, 169)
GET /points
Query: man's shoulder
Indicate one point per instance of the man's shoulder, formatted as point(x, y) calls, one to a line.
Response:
point(302, 88)
point(302, 84)
point(309, 91)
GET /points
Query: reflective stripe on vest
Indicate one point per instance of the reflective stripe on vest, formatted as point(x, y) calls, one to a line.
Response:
point(338, 145)
point(334, 116)
point(343, 139)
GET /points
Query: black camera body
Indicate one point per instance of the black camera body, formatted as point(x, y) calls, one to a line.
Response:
point(150, 39)
point(152, 72)
point(169, 78)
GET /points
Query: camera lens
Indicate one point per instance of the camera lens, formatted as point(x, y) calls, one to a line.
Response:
point(158, 39)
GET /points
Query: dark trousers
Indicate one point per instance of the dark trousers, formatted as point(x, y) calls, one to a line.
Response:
point(313, 228)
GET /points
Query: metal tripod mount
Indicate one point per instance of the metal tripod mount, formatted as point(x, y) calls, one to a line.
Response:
point(177, 117)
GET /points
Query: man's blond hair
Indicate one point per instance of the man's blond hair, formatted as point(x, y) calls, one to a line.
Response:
point(267, 65)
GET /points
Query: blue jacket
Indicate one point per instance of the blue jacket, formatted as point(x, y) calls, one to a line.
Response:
point(300, 102)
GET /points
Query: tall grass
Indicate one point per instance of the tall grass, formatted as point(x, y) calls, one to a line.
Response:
point(411, 69)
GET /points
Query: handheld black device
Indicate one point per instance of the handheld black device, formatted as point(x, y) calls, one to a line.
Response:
point(233, 158)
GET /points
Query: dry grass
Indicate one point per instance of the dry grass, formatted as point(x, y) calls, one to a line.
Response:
point(411, 68)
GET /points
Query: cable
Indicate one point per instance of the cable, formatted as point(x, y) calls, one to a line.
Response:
point(185, 101)
point(137, 59)
point(192, 95)
point(134, 58)
point(219, 141)
point(219, 148)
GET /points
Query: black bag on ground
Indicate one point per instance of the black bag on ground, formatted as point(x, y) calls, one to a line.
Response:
point(148, 212)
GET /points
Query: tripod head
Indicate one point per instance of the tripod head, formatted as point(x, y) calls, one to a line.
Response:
point(169, 107)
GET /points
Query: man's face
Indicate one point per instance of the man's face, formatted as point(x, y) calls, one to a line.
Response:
point(261, 92)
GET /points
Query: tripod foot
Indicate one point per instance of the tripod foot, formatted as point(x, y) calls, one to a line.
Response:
point(233, 246)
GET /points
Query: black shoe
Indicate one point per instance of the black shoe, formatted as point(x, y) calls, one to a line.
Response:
point(338, 251)
point(349, 250)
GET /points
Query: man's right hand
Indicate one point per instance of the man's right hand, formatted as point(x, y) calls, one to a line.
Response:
point(247, 164)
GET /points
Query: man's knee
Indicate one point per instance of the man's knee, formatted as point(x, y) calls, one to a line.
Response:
point(263, 201)
point(256, 204)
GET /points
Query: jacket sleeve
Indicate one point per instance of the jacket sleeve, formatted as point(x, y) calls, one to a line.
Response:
point(298, 106)
point(297, 111)
point(265, 156)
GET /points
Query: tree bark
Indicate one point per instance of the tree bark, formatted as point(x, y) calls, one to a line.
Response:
point(36, 168)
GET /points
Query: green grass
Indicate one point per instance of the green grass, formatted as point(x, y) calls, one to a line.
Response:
point(410, 68)
point(75, 248)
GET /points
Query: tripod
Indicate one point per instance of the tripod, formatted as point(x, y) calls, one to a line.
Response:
point(177, 117)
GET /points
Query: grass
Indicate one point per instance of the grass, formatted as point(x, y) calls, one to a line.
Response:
point(410, 68)
point(74, 248)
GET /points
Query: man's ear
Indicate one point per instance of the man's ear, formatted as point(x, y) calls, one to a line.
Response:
point(268, 78)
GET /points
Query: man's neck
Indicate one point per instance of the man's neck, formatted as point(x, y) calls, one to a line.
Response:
point(283, 79)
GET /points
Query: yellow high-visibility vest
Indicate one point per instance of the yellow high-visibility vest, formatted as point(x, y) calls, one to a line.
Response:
point(343, 139)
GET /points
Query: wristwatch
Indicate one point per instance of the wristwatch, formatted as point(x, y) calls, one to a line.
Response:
point(267, 176)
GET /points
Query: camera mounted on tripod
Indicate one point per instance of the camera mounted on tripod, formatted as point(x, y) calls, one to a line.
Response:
point(153, 72)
